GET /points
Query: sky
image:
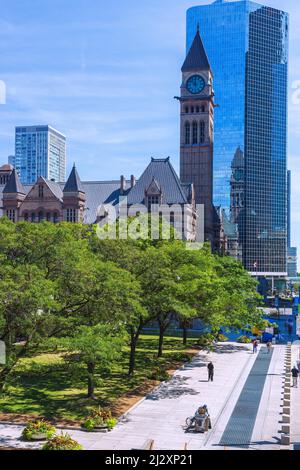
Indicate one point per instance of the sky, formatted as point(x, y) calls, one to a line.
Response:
point(105, 74)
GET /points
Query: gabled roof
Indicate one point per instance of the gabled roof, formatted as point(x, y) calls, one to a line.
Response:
point(14, 185)
point(164, 174)
point(154, 187)
point(196, 58)
point(73, 185)
point(54, 188)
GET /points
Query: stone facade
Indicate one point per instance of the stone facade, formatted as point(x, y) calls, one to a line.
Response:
point(196, 134)
point(76, 201)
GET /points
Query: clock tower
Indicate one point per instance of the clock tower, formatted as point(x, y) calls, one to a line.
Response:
point(196, 130)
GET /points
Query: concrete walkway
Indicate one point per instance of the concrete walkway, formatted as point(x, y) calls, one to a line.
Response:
point(161, 416)
point(295, 403)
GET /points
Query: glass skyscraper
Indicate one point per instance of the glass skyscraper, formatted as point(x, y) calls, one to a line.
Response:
point(247, 46)
point(40, 151)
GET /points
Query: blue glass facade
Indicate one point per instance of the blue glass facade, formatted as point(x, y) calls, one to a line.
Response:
point(247, 45)
point(40, 151)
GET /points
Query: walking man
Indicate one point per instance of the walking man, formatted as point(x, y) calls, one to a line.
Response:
point(295, 374)
point(255, 344)
point(210, 369)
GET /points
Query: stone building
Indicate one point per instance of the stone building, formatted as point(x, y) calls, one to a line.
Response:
point(77, 201)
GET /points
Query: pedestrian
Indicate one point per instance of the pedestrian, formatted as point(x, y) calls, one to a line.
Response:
point(269, 346)
point(255, 344)
point(211, 370)
point(295, 374)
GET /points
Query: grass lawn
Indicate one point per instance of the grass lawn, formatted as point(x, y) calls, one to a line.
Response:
point(48, 386)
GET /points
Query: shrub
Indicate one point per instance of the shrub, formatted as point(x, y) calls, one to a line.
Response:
point(111, 423)
point(38, 427)
point(99, 418)
point(206, 339)
point(89, 424)
point(62, 442)
point(222, 338)
point(244, 339)
point(159, 374)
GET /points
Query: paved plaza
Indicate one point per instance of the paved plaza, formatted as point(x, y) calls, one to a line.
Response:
point(244, 402)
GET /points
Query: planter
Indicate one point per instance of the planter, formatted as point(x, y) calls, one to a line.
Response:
point(39, 437)
point(99, 428)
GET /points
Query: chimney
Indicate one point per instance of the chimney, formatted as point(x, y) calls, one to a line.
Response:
point(123, 184)
point(132, 181)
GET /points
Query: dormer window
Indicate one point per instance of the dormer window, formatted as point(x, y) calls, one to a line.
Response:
point(153, 201)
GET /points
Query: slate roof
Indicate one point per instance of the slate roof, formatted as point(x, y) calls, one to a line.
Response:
point(74, 183)
point(196, 58)
point(109, 192)
point(14, 185)
point(55, 188)
point(161, 170)
point(97, 193)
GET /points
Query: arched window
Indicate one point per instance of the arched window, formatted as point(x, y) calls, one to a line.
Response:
point(197, 109)
point(41, 216)
point(187, 133)
point(33, 217)
point(195, 133)
point(203, 108)
point(41, 191)
point(202, 132)
point(186, 109)
point(192, 109)
point(26, 217)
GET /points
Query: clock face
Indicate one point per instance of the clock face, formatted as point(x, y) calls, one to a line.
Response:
point(195, 84)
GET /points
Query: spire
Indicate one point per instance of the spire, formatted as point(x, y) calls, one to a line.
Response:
point(238, 160)
point(73, 185)
point(196, 58)
point(14, 185)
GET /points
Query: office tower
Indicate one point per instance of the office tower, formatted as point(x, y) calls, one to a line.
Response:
point(196, 134)
point(291, 250)
point(40, 151)
point(247, 45)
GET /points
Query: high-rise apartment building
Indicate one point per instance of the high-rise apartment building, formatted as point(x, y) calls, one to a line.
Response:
point(11, 160)
point(247, 45)
point(40, 151)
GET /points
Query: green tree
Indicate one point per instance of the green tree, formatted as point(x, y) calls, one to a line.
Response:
point(97, 347)
point(27, 308)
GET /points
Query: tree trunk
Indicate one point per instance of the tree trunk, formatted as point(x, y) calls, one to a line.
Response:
point(184, 335)
point(133, 344)
point(91, 385)
point(3, 377)
point(162, 330)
